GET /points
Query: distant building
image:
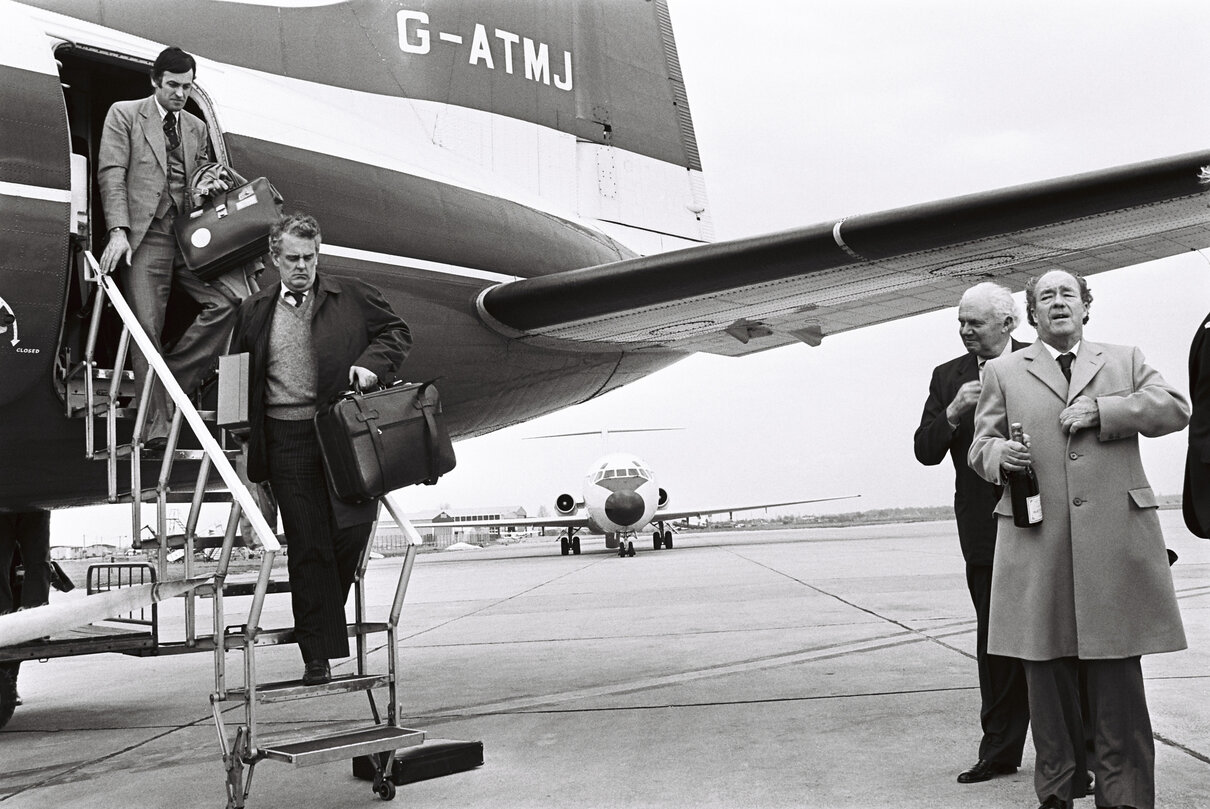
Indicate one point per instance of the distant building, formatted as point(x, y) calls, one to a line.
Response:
point(389, 536)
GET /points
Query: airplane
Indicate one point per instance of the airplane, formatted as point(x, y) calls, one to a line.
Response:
point(619, 497)
point(525, 189)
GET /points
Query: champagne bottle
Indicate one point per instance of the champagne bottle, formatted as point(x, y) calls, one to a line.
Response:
point(1023, 490)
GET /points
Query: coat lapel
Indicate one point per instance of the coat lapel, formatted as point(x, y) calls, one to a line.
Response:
point(153, 131)
point(1087, 363)
point(1045, 368)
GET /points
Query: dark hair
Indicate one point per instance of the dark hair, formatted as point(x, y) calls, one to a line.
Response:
point(1031, 299)
point(172, 60)
point(301, 225)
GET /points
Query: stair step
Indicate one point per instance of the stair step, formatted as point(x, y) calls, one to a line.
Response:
point(294, 689)
point(278, 637)
point(157, 455)
point(344, 746)
point(242, 588)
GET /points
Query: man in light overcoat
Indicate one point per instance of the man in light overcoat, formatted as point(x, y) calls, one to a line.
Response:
point(1091, 584)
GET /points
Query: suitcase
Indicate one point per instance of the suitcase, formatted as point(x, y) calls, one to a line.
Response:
point(373, 443)
point(433, 759)
point(231, 229)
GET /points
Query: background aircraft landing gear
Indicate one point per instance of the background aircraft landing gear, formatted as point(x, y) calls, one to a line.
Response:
point(575, 545)
point(668, 539)
point(564, 546)
point(625, 548)
point(657, 539)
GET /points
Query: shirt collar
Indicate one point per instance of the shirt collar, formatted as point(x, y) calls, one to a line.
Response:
point(1054, 352)
point(163, 111)
point(1008, 349)
point(281, 295)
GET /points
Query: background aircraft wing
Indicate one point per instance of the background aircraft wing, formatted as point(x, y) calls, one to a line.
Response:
point(701, 512)
point(752, 294)
point(572, 521)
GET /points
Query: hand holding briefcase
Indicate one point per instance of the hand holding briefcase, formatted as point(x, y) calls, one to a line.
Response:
point(375, 442)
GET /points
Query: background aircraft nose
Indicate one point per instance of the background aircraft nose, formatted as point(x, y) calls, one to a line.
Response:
point(624, 507)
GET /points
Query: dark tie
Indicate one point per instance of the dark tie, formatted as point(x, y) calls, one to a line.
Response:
point(1065, 364)
point(170, 136)
point(296, 298)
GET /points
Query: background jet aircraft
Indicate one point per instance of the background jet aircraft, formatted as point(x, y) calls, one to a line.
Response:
point(526, 191)
point(619, 498)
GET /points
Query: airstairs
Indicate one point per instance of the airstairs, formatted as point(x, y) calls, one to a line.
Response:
point(103, 398)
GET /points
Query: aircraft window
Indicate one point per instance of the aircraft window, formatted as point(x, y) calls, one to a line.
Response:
point(632, 472)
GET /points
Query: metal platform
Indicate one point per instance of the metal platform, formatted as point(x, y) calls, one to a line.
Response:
point(343, 746)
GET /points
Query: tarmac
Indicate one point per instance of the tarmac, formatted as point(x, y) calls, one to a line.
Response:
point(826, 667)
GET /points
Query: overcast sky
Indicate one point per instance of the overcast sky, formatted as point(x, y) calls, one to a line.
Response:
point(808, 111)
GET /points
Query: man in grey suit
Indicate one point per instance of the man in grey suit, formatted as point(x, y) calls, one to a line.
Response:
point(1089, 586)
point(149, 149)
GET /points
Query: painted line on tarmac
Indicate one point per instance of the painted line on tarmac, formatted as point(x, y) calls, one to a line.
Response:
point(521, 704)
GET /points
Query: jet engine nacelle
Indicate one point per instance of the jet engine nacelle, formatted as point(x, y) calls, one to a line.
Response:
point(565, 504)
point(663, 498)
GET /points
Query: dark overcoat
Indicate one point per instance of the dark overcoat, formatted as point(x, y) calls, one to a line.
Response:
point(352, 324)
point(1195, 503)
point(1092, 581)
point(974, 497)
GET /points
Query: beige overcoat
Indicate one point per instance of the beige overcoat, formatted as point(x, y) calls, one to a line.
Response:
point(1092, 581)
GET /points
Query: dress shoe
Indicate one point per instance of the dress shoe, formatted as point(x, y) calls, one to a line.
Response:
point(1052, 802)
point(18, 700)
point(156, 444)
point(984, 771)
point(316, 672)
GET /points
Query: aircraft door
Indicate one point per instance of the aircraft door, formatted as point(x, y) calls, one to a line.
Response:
point(35, 205)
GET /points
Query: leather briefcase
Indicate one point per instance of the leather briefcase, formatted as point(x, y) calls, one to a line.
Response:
point(229, 230)
point(373, 443)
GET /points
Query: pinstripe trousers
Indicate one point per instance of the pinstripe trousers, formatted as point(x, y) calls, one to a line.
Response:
point(321, 558)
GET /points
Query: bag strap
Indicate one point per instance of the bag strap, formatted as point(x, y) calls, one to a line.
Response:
point(369, 416)
point(430, 432)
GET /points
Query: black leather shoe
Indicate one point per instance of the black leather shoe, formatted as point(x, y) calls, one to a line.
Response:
point(316, 672)
point(1054, 803)
point(984, 771)
point(157, 444)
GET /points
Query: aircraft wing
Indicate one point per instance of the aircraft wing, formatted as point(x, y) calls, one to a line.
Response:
point(668, 516)
point(753, 294)
point(570, 521)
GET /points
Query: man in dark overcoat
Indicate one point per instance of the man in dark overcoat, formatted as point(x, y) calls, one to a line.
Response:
point(987, 316)
point(309, 338)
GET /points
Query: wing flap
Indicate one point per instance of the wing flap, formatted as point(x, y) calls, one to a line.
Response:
point(752, 294)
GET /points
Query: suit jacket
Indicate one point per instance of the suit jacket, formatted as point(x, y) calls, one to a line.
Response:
point(1092, 581)
point(1195, 503)
point(352, 324)
point(974, 497)
point(132, 164)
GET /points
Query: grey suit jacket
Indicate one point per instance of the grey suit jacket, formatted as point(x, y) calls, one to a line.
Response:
point(132, 166)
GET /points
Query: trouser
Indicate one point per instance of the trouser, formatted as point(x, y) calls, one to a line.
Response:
point(1124, 757)
point(1004, 712)
point(321, 557)
point(29, 531)
point(154, 269)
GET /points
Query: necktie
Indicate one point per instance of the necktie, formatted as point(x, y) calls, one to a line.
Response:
point(1065, 364)
point(296, 298)
point(170, 136)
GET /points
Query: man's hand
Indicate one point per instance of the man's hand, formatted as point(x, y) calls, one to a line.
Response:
point(117, 249)
point(362, 378)
point(1014, 456)
point(1081, 413)
point(212, 184)
point(964, 401)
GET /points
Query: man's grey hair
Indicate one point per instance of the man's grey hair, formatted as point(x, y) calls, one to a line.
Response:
point(999, 297)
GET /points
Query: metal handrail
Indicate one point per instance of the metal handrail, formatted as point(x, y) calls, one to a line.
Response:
point(211, 447)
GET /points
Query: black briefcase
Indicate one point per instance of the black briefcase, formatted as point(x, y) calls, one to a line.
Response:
point(229, 230)
point(373, 443)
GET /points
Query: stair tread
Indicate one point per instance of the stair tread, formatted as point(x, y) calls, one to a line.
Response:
point(347, 745)
point(294, 689)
